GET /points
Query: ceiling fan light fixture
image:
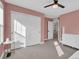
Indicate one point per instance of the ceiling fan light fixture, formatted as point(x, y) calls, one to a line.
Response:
point(55, 6)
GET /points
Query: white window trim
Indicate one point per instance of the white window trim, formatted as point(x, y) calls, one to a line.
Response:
point(22, 28)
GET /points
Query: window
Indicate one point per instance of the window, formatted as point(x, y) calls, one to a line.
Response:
point(23, 30)
point(19, 28)
point(1, 34)
point(1, 16)
point(1, 23)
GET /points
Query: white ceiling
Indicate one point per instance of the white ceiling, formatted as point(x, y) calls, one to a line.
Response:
point(38, 5)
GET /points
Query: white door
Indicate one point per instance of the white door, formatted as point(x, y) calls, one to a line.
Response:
point(50, 29)
point(34, 31)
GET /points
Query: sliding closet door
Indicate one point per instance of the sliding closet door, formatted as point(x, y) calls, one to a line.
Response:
point(32, 25)
point(34, 31)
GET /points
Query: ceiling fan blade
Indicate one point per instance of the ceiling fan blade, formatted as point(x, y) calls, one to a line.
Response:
point(61, 5)
point(48, 5)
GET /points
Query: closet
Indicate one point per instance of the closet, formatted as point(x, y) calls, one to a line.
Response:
point(28, 32)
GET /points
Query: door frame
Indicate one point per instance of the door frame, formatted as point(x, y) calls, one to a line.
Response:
point(48, 28)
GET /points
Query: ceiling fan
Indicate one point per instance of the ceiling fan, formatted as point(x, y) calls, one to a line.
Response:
point(55, 5)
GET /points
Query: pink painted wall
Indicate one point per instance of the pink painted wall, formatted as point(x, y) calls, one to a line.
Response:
point(7, 20)
point(70, 22)
point(46, 28)
point(1, 49)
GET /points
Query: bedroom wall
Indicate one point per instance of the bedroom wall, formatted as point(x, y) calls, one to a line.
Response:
point(9, 7)
point(70, 22)
point(46, 28)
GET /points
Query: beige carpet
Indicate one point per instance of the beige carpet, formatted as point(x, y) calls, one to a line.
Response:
point(44, 51)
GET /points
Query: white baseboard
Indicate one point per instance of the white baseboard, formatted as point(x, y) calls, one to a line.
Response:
point(42, 42)
point(45, 39)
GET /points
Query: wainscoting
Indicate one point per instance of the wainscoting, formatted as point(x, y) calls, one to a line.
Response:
point(71, 40)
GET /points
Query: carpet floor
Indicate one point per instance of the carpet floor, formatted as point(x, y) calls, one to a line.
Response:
point(43, 51)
